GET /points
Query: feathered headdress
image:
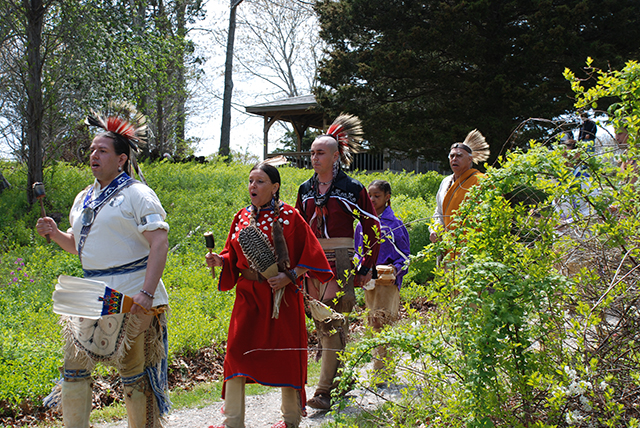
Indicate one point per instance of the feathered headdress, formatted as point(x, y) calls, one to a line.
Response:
point(124, 122)
point(347, 131)
point(276, 161)
point(476, 145)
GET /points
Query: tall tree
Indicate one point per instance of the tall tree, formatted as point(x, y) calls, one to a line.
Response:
point(34, 11)
point(170, 62)
point(225, 132)
point(421, 74)
point(279, 49)
point(35, 33)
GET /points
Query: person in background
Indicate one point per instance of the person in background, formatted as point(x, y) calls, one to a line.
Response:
point(454, 187)
point(260, 348)
point(568, 141)
point(588, 129)
point(330, 201)
point(382, 296)
point(118, 231)
point(586, 142)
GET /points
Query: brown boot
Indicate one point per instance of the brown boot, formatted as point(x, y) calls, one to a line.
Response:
point(320, 400)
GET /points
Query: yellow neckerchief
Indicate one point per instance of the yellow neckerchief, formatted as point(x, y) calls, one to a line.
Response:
point(456, 193)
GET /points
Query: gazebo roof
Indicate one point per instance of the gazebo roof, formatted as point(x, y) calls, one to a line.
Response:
point(297, 110)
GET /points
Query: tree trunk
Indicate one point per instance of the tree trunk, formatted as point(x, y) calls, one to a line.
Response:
point(180, 90)
point(35, 11)
point(160, 137)
point(160, 88)
point(228, 83)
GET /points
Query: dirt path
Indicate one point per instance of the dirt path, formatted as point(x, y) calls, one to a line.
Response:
point(262, 411)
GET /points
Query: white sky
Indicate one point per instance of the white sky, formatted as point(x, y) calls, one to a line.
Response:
point(205, 121)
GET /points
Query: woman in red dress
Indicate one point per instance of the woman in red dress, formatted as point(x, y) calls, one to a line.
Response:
point(260, 348)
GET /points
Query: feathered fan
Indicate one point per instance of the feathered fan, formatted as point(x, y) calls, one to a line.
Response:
point(88, 298)
point(258, 251)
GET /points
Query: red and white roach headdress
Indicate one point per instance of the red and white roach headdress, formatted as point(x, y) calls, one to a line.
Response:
point(125, 124)
point(347, 131)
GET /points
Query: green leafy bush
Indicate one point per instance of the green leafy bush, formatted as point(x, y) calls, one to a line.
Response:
point(537, 300)
point(199, 312)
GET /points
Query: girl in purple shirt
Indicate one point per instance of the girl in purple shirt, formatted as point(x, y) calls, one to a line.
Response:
point(394, 248)
point(381, 296)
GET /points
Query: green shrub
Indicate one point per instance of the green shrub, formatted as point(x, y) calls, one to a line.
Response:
point(537, 301)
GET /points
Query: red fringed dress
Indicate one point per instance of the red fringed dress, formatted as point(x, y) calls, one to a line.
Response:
point(277, 347)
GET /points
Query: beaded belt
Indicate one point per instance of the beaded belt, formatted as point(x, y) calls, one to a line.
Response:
point(136, 266)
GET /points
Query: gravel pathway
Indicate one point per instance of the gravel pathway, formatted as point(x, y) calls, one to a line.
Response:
point(262, 411)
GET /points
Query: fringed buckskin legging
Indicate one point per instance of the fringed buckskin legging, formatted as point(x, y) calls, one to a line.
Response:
point(333, 335)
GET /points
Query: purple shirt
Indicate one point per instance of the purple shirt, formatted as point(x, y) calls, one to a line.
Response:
point(394, 250)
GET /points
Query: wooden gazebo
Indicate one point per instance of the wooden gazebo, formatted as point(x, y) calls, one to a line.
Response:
point(302, 112)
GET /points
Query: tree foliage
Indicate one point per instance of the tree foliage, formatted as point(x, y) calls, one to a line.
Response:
point(421, 74)
point(59, 58)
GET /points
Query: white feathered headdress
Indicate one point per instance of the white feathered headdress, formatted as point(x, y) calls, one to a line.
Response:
point(476, 145)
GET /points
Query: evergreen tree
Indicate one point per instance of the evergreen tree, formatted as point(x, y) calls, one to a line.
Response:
point(421, 74)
